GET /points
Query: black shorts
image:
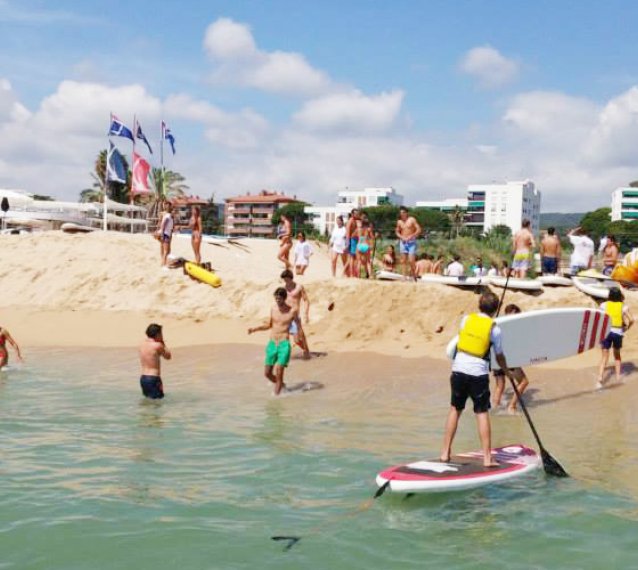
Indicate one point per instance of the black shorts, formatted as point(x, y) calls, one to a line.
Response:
point(612, 339)
point(152, 387)
point(476, 387)
point(549, 265)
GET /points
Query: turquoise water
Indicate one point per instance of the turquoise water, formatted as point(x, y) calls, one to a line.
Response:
point(92, 476)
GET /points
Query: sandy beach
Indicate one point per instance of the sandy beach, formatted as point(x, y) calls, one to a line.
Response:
point(102, 289)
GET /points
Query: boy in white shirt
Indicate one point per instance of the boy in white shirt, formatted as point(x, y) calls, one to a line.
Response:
point(302, 254)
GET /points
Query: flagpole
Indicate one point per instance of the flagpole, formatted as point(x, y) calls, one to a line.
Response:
point(106, 174)
point(162, 127)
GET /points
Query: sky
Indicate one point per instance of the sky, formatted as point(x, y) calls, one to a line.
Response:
point(311, 98)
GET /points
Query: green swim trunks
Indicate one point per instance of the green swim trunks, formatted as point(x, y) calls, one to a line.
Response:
point(277, 353)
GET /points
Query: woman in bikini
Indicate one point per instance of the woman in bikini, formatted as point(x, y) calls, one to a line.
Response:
point(365, 238)
point(284, 234)
point(195, 225)
point(5, 338)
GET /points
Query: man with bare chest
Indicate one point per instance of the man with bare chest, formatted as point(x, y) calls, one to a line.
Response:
point(296, 295)
point(523, 242)
point(151, 351)
point(550, 253)
point(407, 230)
point(282, 316)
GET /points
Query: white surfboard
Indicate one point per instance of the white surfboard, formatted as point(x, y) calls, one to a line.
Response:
point(542, 336)
point(384, 275)
point(595, 287)
point(455, 281)
point(555, 281)
point(515, 283)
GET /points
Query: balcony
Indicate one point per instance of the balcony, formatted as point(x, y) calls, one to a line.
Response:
point(262, 231)
point(263, 210)
point(262, 222)
point(238, 209)
point(237, 231)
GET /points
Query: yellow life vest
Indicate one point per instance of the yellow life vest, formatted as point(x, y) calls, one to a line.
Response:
point(614, 310)
point(474, 337)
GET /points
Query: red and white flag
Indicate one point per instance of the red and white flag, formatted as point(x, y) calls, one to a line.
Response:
point(141, 169)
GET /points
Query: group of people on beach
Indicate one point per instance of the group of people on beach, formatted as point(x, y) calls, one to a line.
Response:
point(166, 227)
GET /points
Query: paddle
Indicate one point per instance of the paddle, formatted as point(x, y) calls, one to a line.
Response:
point(550, 465)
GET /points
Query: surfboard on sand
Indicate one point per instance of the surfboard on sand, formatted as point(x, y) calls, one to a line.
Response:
point(516, 283)
point(462, 281)
point(555, 281)
point(595, 287)
point(535, 337)
point(463, 471)
point(384, 275)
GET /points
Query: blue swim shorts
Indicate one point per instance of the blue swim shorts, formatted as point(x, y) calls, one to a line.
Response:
point(407, 247)
point(353, 245)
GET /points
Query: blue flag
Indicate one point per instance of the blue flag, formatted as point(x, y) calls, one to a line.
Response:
point(140, 135)
point(167, 135)
point(118, 129)
point(115, 169)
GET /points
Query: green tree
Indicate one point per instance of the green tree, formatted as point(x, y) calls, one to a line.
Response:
point(383, 218)
point(432, 220)
point(596, 223)
point(298, 218)
point(626, 233)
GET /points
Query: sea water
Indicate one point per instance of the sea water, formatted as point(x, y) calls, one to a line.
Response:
point(94, 476)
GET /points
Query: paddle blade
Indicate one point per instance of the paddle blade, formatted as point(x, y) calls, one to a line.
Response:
point(290, 540)
point(551, 466)
point(382, 489)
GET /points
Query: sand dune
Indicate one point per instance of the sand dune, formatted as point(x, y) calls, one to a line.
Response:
point(101, 289)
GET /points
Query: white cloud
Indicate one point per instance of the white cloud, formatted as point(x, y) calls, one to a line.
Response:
point(232, 48)
point(489, 67)
point(351, 111)
point(10, 108)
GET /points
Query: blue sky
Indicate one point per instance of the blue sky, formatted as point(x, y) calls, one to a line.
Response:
point(308, 98)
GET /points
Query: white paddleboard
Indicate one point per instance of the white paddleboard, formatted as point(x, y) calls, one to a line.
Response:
point(535, 337)
point(455, 281)
point(463, 471)
point(555, 281)
point(515, 283)
point(595, 287)
point(390, 276)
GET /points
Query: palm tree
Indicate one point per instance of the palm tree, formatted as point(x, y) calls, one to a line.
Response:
point(457, 217)
point(117, 190)
point(167, 184)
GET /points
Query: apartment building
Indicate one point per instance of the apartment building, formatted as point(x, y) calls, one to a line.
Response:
point(251, 214)
point(624, 204)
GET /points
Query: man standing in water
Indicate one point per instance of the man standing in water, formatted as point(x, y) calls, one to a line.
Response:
point(152, 350)
point(523, 241)
point(407, 230)
point(296, 295)
point(550, 253)
point(281, 318)
point(470, 374)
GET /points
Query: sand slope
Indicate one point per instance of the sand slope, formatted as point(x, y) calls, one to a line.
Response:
point(103, 288)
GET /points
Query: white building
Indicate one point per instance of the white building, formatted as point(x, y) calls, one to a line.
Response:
point(323, 217)
point(447, 205)
point(624, 204)
point(25, 211)
point(506, 204)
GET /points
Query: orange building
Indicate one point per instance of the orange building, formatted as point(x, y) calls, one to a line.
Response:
point(251, 215)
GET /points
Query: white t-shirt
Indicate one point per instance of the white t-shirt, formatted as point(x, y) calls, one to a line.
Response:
point(583, 250)
point(473, 365)
point(493, 272)
point(303, 251)
point(455, 269)
point(167, 224)
point(338, 239)
point(479, 271)
point(618, 330)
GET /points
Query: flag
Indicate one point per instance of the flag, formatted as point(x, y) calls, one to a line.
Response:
point(167, 135)
point(141, 169)
point(115, 169)
point(118, 129)
point(140, 135)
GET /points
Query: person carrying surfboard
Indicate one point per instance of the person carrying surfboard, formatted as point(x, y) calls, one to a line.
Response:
point(621, 321)
point(282, 315)
point(470, 374)
point(519, 375)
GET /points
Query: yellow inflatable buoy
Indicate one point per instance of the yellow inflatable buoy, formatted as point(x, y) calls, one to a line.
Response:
point(201, 274)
